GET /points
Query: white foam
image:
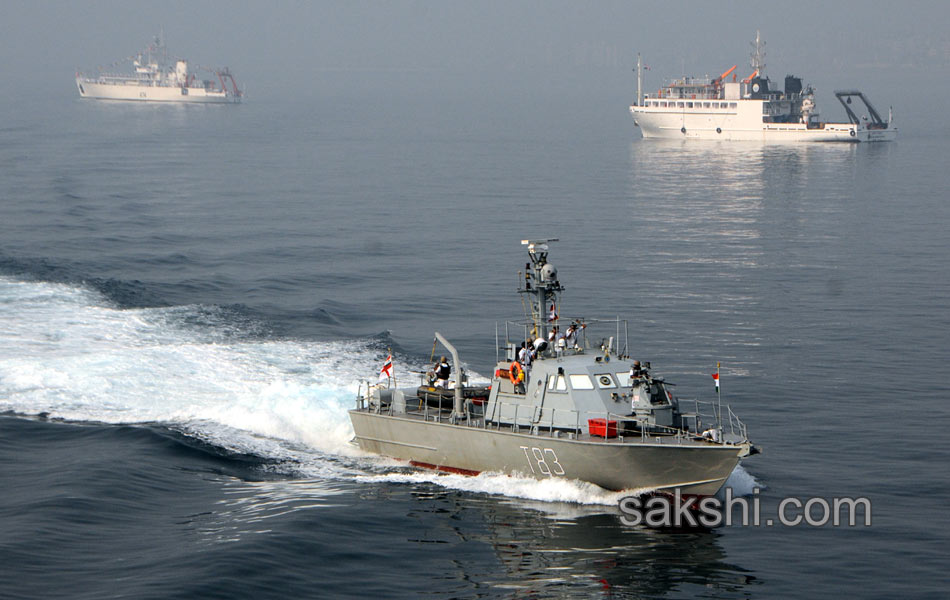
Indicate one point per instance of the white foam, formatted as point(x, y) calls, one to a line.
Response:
point(742, 483)
point(67, 352)
point(547, 490)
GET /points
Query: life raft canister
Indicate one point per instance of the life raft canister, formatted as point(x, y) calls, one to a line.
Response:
point(515, 373)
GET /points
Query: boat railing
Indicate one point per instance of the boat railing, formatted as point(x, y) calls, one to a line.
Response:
point(606, 335)
point(643, 431)
point(678, 95)
point(736, 425)
point(712, 417)
point(704, 423)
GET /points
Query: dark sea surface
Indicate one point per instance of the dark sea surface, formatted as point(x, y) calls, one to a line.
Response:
point(189, 296)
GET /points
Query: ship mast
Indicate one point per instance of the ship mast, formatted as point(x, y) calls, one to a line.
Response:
point(639, 80)
point(758, 55)
point(541, 286)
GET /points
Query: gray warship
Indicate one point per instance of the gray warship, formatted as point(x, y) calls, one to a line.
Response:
point(571, 405)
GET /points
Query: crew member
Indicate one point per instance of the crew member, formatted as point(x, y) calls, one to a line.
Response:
point(570, 336)
point(539, 346)
point(636, 372)
point(525, 357)
point(442, 373)
point(517, 375)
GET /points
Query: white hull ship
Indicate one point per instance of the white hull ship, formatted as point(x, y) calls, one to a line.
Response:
point(751, 110)
point(153, 80)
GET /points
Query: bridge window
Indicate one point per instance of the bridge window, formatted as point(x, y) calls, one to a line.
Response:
point(581, 382)
point(732, 105)
point(556, 383)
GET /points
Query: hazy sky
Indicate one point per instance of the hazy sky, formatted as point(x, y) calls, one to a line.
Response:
point(884, 48)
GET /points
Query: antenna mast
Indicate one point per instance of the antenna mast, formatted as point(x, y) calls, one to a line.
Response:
point(541, 285)
point(639, 80)
point(758, 54)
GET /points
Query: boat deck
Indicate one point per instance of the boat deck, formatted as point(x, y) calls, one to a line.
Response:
point(618, 429)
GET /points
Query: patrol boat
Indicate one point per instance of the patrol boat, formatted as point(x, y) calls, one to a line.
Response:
point(579, 410)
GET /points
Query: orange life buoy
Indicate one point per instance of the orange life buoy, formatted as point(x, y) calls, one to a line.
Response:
point(515, 373)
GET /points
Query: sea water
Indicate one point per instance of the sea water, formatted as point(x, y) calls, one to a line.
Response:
point(190, 297)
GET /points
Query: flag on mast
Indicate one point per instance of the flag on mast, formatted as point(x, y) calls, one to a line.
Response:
point(715, 376)
point(387, 371)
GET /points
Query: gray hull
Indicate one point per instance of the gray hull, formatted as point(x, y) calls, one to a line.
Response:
point(660, 464)
point(557, 406)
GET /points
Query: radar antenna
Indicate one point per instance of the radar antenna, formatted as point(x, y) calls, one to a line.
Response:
point(541, 286)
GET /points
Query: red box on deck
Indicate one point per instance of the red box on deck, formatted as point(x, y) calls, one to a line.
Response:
point(602, 428)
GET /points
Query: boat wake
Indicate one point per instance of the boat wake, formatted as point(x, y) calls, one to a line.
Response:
point(68, 353)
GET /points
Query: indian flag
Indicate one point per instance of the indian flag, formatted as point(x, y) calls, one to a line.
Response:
point(387, 371)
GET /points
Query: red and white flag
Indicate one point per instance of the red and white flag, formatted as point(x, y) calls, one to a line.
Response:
point(387, 371)
point(552, 314)
point(715, 376)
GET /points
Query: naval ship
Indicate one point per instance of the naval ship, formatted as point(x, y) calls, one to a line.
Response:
point(154, 79)
point(577, 407)
point(753, 109)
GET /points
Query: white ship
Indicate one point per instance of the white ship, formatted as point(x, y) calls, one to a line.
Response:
point(154, 79)
point(751, 110)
